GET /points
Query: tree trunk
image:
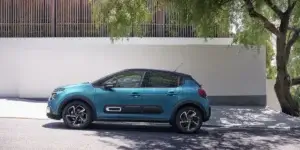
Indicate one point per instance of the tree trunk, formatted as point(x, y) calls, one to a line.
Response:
point(283, 83)
point(282, 88)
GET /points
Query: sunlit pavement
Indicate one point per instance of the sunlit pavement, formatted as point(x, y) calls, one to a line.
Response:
point(22, 109)
point(222, 116)
point(229, 128)
point(29, 134)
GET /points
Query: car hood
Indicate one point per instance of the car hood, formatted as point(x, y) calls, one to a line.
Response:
point(75, 85)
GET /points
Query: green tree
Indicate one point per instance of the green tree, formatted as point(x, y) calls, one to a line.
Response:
point(255, 22)
point(294, 62)
point(270, 69)
point(294, 68)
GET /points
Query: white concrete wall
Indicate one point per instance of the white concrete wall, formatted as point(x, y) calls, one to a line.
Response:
point(9, 79)
point(272, 100)
point(33, 67)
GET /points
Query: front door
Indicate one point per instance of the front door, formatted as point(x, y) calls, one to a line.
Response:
point(123, 99)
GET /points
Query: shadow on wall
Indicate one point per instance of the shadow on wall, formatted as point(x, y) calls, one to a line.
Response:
point(141, 137)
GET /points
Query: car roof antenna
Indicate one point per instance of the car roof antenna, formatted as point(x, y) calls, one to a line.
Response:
point(178, 67)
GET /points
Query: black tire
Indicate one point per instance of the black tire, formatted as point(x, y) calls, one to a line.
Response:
point(77, 115)
point(190, 124)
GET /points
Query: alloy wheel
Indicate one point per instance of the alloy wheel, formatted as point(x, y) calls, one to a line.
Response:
point(189, 120)
point(76, 115)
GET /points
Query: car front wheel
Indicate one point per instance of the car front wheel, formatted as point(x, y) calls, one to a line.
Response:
point(77, 115)
point(188, 120)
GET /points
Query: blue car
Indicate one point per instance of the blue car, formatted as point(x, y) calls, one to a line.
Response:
point(133, 95)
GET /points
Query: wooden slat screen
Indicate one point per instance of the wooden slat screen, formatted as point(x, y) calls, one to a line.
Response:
point(72, 18)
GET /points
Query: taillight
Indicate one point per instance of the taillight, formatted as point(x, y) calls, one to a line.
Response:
point(202, 93)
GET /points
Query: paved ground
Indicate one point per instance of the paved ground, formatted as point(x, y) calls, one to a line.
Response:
point(223, 116)
point(228, 128)
point(25, 134)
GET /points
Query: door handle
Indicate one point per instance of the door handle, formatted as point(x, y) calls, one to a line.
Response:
point(134, 94)
point(171, 93)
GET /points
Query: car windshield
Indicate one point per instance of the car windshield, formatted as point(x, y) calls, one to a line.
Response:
point(96, 81)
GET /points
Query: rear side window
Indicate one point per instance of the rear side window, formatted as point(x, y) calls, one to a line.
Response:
point(161, 79)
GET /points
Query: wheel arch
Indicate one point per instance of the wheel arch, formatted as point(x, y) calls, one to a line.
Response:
point(185, 104)
point(83, 99)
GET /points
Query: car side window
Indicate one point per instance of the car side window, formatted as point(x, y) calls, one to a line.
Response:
point(128, 79)
point(161, 79)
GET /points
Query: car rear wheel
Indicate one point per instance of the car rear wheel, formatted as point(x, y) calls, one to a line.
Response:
point(77, 115)
point(188, 120)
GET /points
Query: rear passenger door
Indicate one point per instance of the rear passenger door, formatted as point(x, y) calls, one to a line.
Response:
point(161, 89)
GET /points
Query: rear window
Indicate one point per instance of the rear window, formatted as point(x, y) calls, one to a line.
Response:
point(161, 79)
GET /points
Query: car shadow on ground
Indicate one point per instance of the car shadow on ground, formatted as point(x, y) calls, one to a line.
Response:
point(163, 137)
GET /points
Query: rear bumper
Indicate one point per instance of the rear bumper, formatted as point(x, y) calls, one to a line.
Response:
point(208, 114)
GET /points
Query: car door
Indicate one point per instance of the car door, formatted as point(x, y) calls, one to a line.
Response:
point(160, 89)
point(120, 101)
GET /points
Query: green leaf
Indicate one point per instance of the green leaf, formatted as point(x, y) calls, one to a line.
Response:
point(209, 17)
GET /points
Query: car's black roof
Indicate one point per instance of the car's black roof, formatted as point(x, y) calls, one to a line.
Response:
point(147, 69)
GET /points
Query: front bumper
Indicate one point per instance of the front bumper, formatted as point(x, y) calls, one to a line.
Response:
point(51, 115)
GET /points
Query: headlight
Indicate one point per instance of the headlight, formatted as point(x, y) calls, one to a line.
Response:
point(55, 92)
point(58, 90)
point(53, 96)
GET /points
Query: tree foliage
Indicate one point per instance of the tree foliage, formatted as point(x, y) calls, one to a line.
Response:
point(270, 68)
point(120, 16)
point(294, 62)
point(255, 22)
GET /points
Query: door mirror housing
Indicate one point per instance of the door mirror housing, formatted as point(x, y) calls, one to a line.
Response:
point(109, 86)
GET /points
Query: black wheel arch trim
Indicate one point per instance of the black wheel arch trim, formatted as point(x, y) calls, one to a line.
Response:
point(178, 105)
point(80, 98)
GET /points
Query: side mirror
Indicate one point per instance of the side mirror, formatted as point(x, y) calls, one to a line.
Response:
point(109, 86)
